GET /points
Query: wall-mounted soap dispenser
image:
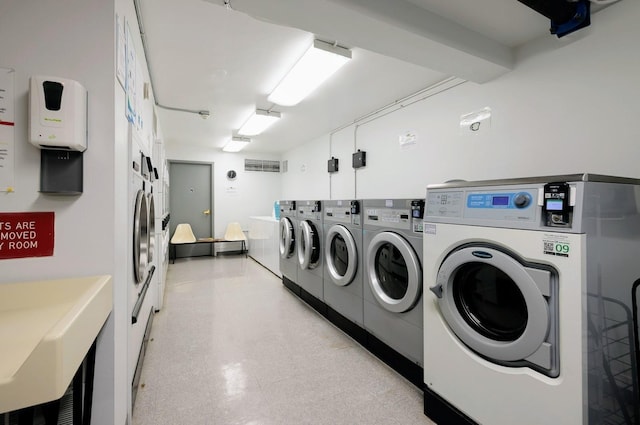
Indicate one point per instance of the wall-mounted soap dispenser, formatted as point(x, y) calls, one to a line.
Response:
point(58, 126)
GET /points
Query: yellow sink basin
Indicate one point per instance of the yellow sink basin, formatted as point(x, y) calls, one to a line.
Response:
point(46, 329)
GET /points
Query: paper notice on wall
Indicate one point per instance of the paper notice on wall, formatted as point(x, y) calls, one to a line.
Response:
point(7, 128)
point(121, 51)
point(130, 79)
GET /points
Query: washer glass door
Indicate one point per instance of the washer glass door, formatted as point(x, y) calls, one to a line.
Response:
point(287, 238)
point(308, 245)
point(489, 301)
point(395, 273)
point(341, 255)
point(498, 306)
point(140, 237)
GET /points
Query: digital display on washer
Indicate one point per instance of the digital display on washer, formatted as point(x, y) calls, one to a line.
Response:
point(494, 200)
point(500, 200)
point(555, 205)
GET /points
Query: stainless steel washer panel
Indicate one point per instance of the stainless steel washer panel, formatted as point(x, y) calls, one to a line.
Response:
point(152, 227)
point(140, 237)
point(287, 239)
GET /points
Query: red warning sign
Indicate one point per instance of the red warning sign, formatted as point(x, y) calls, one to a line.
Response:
point(26, 234)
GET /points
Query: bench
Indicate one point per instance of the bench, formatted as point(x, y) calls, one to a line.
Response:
point(172, 246)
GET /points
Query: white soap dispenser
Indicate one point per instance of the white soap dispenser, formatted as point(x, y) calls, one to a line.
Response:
point(58, 114)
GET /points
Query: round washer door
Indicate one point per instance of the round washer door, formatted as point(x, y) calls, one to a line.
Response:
point(340, 255)
point(308, 246)
point(287, 238)
point(140, 237)
point(152, 227)
point(492, 303)
point(395, 274)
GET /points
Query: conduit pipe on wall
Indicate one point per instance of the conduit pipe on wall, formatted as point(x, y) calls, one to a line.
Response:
point(203, 113)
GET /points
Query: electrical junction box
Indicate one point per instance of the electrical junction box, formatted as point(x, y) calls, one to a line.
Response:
point(332, 165)
point(57, 114)
point(359, 159)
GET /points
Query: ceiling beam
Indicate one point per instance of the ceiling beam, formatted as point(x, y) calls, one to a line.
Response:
point(394, 28)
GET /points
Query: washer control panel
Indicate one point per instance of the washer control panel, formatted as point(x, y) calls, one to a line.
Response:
point(508, 205)
point(501, 200)
point(346, 212)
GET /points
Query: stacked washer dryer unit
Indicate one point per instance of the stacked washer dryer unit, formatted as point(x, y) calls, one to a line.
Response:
point(141, 269)
point(343, 267)
point(309, 253)
point(287, 245)
point(529, 316)
point(392, 244)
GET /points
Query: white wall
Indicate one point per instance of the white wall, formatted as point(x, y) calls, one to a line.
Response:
point(569, 106)
point(307, 176)
point(252, 193)
point(72, 39)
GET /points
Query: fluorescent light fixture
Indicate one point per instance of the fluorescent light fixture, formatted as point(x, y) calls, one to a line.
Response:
point(236, 144)
point(258, 122)
point(319, 63)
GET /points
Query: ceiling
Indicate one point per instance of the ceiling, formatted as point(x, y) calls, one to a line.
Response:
point(226, 59)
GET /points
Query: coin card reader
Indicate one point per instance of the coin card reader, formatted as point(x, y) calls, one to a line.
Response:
point(556, 208)
point(417, 209)
point(354, 207)
point(58, 126)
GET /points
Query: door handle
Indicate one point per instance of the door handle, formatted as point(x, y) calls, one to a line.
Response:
point(206, 212)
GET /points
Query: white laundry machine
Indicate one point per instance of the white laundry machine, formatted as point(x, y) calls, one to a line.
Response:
point(141, 248)
point(343, 266)
point(309, 252)
point(392, 293)
point(528, 319)
point(287, 245)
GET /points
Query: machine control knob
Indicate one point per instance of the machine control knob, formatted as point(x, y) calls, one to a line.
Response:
point(521, 200)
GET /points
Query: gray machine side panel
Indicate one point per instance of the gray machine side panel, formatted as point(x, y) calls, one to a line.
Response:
point(403, 335)
point(311, 282)
point(612, 224)
point(346, 300)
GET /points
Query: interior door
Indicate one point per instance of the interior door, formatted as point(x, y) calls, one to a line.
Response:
point(191, 201)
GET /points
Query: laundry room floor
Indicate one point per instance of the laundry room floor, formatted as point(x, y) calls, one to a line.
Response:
point(233, 346)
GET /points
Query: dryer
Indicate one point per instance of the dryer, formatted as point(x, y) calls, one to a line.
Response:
point(309, 252)
point(392, 293)
point(343, 266)
point(288, 230)
point(528, 318)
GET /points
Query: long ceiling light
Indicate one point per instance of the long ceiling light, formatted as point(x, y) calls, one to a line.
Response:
point(236, 144)
point(258, 122)
point(319, 63)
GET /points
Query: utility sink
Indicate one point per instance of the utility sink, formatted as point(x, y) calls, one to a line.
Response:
point(46, 329)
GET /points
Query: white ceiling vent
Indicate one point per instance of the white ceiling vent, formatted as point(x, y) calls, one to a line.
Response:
point(262, 165)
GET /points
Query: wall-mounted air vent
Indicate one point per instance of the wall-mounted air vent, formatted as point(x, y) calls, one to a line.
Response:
point(262, 165)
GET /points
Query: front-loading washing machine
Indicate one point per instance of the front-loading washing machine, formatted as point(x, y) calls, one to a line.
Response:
point(309, 252)
point(528, 316)
point(343, 266)
point(392, 293)
point(141, 251)
point(288, 233)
